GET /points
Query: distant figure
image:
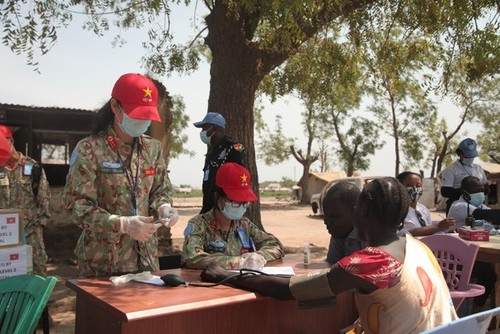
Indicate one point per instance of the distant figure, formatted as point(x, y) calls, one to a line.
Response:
point(220, 149)
point(117, 189)
point(453, 175)
point(24, 186)
point(397, 286)
point(338, 209)
point(418, 220)
point(222, 235)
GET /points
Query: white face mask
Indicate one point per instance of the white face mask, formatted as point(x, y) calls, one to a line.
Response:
point(134, 127)
point(233, 213)
point(205, 138)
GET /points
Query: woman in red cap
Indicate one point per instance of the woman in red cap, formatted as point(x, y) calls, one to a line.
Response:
point(117, 184)
point(222, 235)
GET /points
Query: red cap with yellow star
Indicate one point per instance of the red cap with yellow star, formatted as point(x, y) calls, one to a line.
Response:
point(234, 179)
point(138, 96)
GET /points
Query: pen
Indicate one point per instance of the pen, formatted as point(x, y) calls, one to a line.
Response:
point(253, 245)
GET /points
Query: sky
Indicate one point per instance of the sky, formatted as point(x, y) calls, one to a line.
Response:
point(81, 69)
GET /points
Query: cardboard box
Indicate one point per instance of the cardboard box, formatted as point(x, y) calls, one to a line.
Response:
point(474, 235)
point(10, 228)
point(16, 261)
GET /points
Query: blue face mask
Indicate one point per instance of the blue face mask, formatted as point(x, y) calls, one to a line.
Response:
point(205, 138)
point(467, 161)
point(134, 127)
point(477, 199)
point(233, 213)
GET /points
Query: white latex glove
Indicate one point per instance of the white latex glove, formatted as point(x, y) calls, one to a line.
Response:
point(139, 228)
point(253, 261)
point(168, 215)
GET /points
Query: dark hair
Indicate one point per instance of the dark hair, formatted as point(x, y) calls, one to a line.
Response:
point(386, 200)
point(217, 193)
point(402, 176)
point(103, 119)
point(344, 192)
point(469, 182)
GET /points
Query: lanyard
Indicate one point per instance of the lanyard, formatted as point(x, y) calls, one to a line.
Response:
point(130, 178)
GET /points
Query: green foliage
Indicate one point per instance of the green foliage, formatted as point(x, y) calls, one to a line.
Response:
point(179, 123)
point(488, 115)
point(274, 146)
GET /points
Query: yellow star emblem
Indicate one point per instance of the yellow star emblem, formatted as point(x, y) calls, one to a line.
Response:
point(147, 92)
point(243, 178)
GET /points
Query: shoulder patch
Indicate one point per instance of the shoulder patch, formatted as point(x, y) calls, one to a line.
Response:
point(189, 229)
point(74, 157)
point(239, 147)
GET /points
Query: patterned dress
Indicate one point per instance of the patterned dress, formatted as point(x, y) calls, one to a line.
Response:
point(411, 296)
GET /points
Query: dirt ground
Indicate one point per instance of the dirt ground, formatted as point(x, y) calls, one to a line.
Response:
point(293, 224)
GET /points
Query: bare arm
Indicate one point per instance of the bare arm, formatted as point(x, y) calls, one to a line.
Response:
point(279, 287)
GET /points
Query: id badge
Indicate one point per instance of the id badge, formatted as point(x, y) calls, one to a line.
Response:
point(242, 234)
point(27, 170)
point(205, 174)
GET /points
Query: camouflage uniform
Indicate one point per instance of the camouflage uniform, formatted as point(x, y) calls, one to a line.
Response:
point(226, 151)
point(206, 243)
point(98, 192)
point(17, 192)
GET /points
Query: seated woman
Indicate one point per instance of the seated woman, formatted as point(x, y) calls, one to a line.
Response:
point(222, 235)
point(418, 220)
point(395, 273)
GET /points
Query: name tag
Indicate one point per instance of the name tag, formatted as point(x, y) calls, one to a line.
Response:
point(217, 245)
point(205, 175)
point(111, 164)
point(111, 167)
point(27, 170)
point(242, 235)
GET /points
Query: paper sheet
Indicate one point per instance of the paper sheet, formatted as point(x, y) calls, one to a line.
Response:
point(155, 280)
point(287, 271)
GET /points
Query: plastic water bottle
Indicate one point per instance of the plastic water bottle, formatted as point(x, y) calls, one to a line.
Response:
point(307, 254)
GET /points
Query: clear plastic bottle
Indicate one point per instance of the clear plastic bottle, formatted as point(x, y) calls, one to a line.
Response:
point(307, 254)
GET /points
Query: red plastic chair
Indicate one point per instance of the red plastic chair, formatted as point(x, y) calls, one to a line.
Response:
point(456, 258)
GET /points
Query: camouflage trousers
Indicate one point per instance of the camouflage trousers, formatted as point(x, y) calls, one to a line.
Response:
point(34, 237)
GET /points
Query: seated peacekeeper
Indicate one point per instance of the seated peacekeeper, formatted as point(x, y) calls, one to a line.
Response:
point(398, 286)
point(338, 208)
point(418, 221)
point(222, 235)
point(470, 205)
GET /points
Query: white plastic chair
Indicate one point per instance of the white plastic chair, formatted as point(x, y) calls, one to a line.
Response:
point(476, 323)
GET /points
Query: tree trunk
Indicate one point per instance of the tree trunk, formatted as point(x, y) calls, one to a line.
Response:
point(234, 78)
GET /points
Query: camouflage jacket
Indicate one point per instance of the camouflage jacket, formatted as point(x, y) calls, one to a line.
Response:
point(17, 192)
point(205, 242)
point(98, 191)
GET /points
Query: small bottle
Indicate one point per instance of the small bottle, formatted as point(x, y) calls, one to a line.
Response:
point(307, 254)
